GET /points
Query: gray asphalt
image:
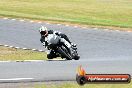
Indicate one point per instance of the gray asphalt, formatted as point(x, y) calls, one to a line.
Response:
point(101, 51)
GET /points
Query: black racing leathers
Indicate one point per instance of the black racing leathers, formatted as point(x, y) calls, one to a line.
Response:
point(42, 39)
point(51, 54)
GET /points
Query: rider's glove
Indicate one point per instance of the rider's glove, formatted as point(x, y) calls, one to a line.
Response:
point(57, 33)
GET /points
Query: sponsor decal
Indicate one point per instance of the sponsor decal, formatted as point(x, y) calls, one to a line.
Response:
point(83, 78)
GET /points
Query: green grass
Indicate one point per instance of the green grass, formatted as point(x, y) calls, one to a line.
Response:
point(66, 85)
point(117, 13)
point(75, 85)
point(12, 54)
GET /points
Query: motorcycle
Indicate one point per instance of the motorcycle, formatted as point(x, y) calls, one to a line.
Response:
point(60, 47)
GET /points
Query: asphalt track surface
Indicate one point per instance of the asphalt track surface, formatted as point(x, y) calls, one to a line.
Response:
point(101, 51)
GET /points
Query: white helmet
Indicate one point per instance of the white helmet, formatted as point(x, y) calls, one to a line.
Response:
point(43, 31)
point(42, 28)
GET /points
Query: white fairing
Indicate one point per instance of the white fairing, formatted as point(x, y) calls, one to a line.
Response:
point(52, 39)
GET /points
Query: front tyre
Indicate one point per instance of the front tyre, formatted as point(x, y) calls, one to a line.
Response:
point(76, 57)
point(64, 54)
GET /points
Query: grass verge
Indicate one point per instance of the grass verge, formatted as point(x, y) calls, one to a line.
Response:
point(75, 85)
point(12, 54)
point(89, 12)
point(63, 85)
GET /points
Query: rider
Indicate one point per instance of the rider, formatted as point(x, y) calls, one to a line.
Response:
point(44, 33)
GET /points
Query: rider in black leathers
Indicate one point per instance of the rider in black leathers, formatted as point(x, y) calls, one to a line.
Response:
point(44, 33)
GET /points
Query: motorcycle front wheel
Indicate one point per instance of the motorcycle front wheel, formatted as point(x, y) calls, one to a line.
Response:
point(64, 54)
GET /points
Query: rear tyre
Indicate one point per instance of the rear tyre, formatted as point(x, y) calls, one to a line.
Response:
point(49, 56)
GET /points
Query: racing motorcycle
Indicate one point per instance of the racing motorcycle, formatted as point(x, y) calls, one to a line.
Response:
point(60, 47)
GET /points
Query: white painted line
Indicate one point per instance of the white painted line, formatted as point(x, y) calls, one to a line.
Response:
point(21, 20)
point(129, 31)
point(15, 79)
point(33, 60)
point(47, 23)
point(6, 45)
point(40, 50)
point(5, 18)
point(31, 21)
point(58, 24)
point(11, 46)
point(95, 28)
point(67, 25)
point(56, 60)
point(117, 30)
point(34, 49)
point(24, 48)
point(13, 19)
point(75, 26)
point(22, 61)
point(4, 61)
point(17, 47)
point(84, 27)
point(39, 22)
point(106, 29)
